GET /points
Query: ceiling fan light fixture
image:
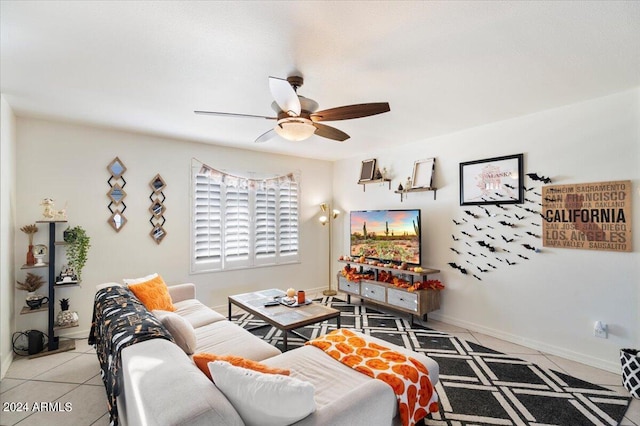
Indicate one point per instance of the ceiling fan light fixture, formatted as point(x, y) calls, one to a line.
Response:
point(295, 129)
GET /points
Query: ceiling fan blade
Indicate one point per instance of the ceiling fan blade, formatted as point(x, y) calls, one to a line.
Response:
point(351, 111)
point(231, 114)
point(268, 135)
point(285, 96)
point(330, 132)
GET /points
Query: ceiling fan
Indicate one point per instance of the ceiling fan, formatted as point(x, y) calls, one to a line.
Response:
point(297, 118)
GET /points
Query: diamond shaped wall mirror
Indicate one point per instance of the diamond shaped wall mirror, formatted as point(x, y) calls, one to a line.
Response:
point(117, 221)
point(116, 194)
point(116, 168)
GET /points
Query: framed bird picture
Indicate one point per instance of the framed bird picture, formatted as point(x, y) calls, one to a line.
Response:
point(498, 180)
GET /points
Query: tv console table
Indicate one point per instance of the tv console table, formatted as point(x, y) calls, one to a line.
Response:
point(417, 302)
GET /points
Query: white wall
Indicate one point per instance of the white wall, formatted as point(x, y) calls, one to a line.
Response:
point(7, 230)
point(552, 300)
point(68, 163)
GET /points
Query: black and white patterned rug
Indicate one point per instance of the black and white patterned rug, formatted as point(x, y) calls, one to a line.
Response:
point(478, 386)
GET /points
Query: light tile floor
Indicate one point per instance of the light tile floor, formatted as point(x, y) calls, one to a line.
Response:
point(73, 377)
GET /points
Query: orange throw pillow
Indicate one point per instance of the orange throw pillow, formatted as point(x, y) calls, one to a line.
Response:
point(153, 294)
point(203, 359)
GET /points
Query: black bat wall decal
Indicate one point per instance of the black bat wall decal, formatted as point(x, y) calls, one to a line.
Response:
point(500, 206)
point(510, 263)
point(509, 186)
point(470, 213)
point(494, 267)
point(552, 199)
point(502, 222)
point(533, 235)
point(520, 217)
point(487, 212)
point(477, 277)
point(524, 257)
point(454, 250)
point(466, 233)
point(490, 227)
point(482, 270)
point(528, 189)
point(457, 223)
point(529, 247)
point(534, 176)
point(489, 236)
point(483, 255)
point(472, 254)
point(459, 268)
point(537, 193)
point(535, 224)
point(477, 227)
point(454, 238)
point(467, 243)
point(506, 240)
point(488, 246)
point(531, 211)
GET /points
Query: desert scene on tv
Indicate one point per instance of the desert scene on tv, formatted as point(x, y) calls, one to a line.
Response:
point(388, 235)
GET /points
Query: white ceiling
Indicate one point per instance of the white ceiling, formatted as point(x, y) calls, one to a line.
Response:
point(443, 65)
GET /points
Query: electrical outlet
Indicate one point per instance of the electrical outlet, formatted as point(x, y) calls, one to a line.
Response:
point(600, 330)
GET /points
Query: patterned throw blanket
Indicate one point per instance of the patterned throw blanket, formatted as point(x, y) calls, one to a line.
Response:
point(408, 377)
point(119, 320)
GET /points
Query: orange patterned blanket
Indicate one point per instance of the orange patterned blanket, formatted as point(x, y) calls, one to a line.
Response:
point(407, 376)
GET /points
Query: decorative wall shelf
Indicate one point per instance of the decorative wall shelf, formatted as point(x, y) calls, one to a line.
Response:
point(364, 183)
point(46, 265)
point(406, 191)
point(27, 310)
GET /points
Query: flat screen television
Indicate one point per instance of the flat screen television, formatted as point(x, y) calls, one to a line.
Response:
point(386, 235)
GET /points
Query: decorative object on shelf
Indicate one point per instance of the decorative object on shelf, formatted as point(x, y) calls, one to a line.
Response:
point(291, 292)
point(498, 180)
point(49, 212)
point(117, 194)
point(327, 217)
point(67, 276)
point(78, 246)
point(400, 187)
point(30, 230)
point(66, 318)
point(423, 173)
point(157, 208)
point(39, 253)
point(367, 171)
point(31, 284)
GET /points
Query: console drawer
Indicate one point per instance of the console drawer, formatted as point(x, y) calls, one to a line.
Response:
point(373, 291)
point(402, 299)
point(348, 286)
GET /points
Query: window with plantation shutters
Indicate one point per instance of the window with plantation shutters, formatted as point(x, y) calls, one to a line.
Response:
point(242, 223)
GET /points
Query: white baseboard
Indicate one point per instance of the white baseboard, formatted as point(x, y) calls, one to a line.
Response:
point(612, 367)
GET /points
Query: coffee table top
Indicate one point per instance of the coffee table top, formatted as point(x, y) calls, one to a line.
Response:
point(280, 316)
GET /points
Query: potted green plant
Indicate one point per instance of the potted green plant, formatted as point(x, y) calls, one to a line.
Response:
point(78, 246)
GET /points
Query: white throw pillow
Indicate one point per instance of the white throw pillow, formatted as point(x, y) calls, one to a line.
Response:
point(181, 330)
point(129, 281)
point(264, 399)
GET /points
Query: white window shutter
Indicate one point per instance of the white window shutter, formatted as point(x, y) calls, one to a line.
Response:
point(207, 224)
point(265, 229)
point(237, 224)
point(288, 220)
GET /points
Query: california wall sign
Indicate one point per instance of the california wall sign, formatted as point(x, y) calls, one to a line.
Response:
point(588, 216)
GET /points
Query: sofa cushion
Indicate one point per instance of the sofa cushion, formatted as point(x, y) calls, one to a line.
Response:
point(129, 281)
point(153, 294)
point(197, 313)
point(264, 399)
point(203, 359)
point(181, 330)
point(227, 338)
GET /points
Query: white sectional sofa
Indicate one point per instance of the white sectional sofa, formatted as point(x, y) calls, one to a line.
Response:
point(162, 385)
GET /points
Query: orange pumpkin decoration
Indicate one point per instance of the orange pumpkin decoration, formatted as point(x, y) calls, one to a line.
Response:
point(412, 396)
point(393, 381)
point(320, 344)
point(351, 360)
point(364, 370)
point(406, 371)
point(377, 346)
point(420, 414)
point(368, 352)
point(425, 392)
point(357, 342)
point(344, 348)
point(336, 338)
point(335, 354)
point(377, 364)
point(419, 365)
point(394, 356)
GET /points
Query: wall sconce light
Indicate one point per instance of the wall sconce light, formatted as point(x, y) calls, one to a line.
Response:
point(328, 216)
